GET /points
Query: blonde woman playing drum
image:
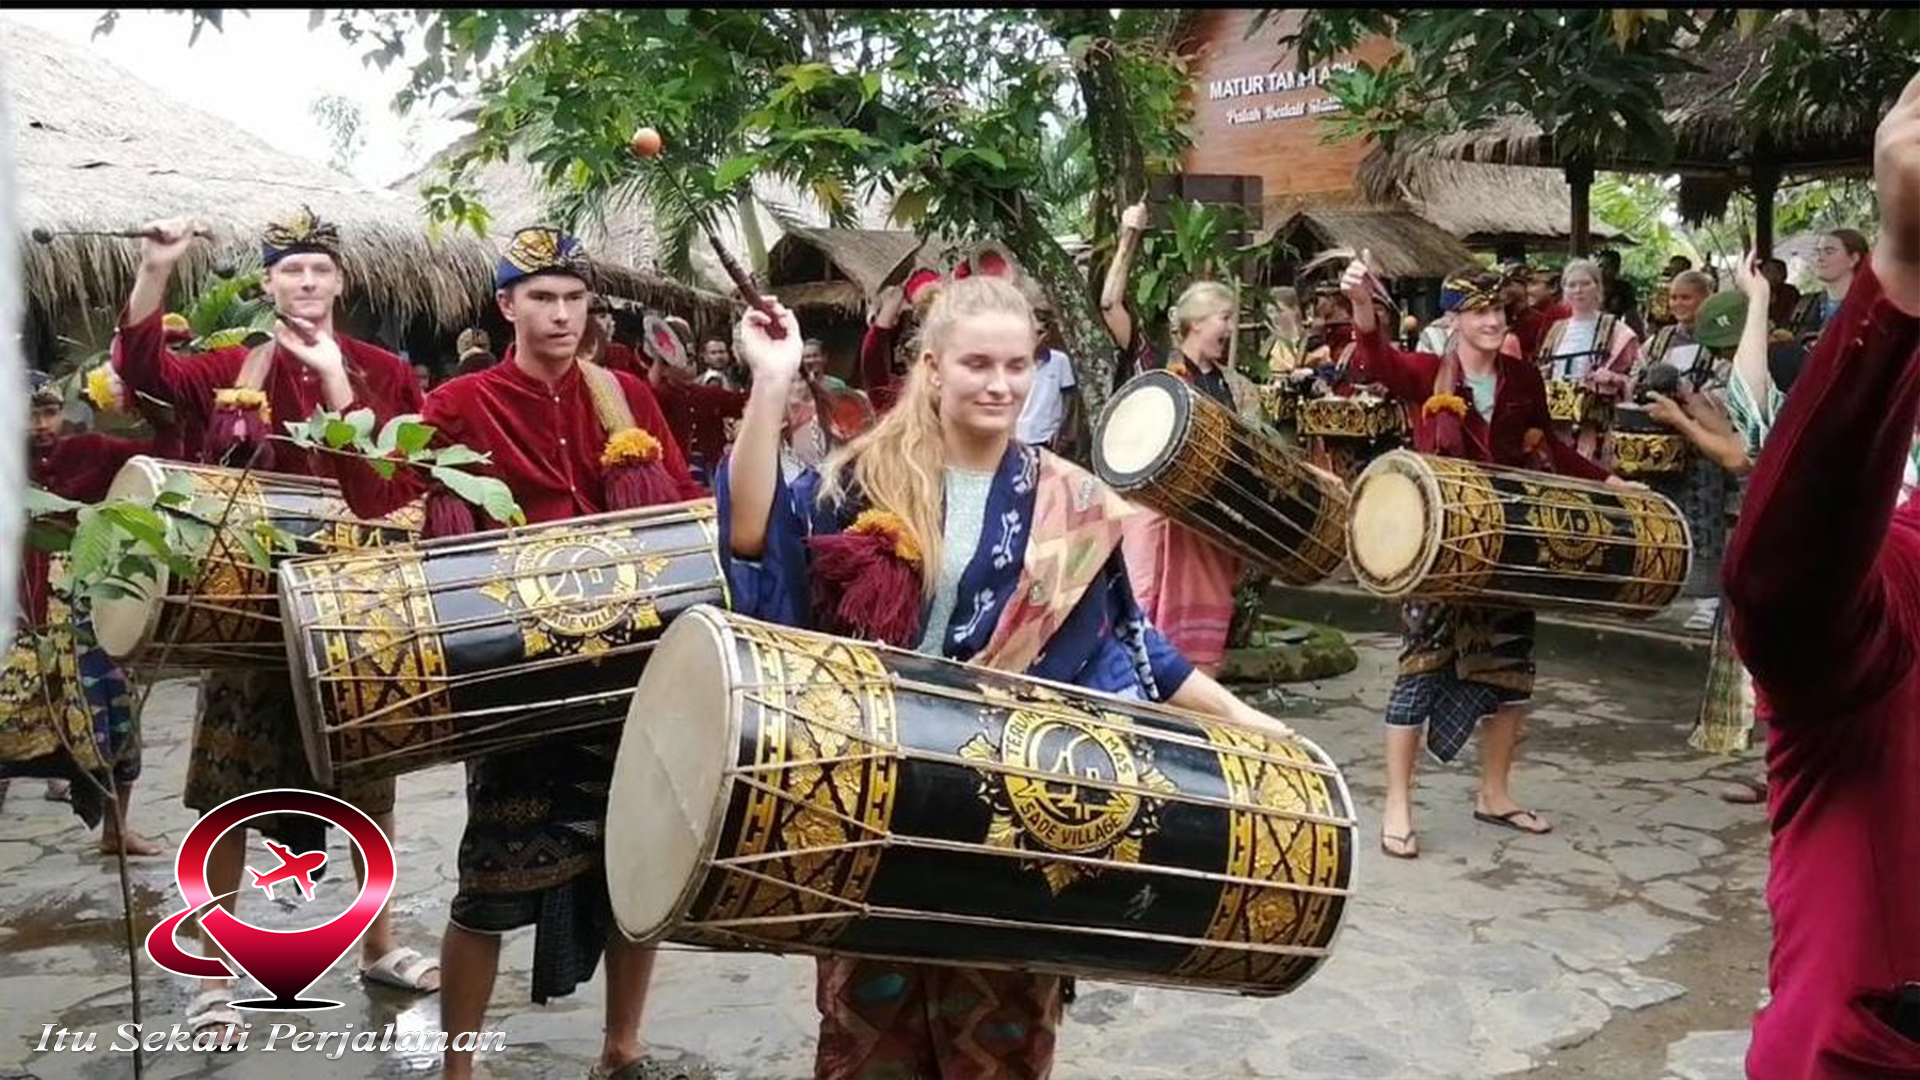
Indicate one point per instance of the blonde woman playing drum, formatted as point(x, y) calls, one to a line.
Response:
point(935, 531)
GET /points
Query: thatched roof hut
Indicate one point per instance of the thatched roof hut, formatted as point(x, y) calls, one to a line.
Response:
point(95, 148)
point(1496, 207)
point(837, 269)
point(1711, 136)
point(1404, 244)
point(623, 243)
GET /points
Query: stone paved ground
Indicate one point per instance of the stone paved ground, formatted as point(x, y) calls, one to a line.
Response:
point(1631, 942)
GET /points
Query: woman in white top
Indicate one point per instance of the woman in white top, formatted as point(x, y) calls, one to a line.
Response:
point(1589, 347)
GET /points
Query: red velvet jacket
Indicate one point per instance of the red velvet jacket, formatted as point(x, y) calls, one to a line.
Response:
point(545, 442)
point(697, 413)
point(1823, 580)
point(381, 382)
point(170, 439)
point(876, 366)
point(1519, 407)
point(77, 467)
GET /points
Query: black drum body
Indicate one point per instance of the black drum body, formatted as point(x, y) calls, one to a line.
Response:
point(866, 801)
point(1166, 445)
point(457, 647)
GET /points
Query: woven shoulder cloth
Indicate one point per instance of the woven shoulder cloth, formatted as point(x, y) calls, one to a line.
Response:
point(609, 400)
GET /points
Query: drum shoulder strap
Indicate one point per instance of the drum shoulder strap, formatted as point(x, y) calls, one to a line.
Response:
point(1551, 343)
point(609, 400)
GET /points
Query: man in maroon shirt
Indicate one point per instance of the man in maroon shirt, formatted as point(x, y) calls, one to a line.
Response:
point(532, 850)
point(1823, 577)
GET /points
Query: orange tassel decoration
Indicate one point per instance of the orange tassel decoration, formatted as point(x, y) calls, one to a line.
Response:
point(633, 473)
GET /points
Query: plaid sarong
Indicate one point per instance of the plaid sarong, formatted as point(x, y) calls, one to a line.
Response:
point(1459, 663)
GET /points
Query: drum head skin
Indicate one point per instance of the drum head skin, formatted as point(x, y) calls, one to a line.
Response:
point(124, 625)
point(1140, 430)
point(665, 808)
point(1392, 534)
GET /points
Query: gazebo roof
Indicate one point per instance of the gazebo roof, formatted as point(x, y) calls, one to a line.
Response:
point(1711, 136)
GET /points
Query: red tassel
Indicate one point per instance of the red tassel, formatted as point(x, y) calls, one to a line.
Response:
point(632, 486)
point(234, 434)
point(1449, 434)
point(878, 592)
point(449, 515)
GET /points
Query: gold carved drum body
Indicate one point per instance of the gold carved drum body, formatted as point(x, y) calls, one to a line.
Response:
point(1640, 446)
point(228, 613)
point(457, 647)
point(788, 791)
point(1362, 417)
point(1166, 445)
point(1445, 529)
point(1572, 402)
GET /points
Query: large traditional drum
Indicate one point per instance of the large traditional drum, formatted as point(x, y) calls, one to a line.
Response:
point(1641, 446)
point(788, 791)
point(458, 647)
point(1570, 401)
point(1444, 529)
point(1364, 418)
point(1165, 444)
point(228, 614)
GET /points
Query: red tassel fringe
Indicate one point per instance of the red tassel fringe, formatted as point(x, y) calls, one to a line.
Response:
point(234, 435)
point(449, 515)
point(1449, 434)
point(865, 589)
point(630, 487)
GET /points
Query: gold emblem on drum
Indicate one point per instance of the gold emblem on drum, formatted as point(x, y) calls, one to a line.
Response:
point(1101, 805)
point(575, 586)
point(1574, 531)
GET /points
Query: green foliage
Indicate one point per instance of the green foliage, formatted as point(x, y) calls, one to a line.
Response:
point(340, 117)
point(969, 120)
point(1196, 247)
point(225, 311)
point(1591, 79)
point(404, 442)
point(1594, 77)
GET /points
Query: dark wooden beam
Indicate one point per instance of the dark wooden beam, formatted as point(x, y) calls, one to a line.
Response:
point(1765, 186)
point(1580, 179)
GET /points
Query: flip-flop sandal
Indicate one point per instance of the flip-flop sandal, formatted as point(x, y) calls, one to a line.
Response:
point(1744, 792)
point(212, 1010)
point(401, 969)
point(1507, 821)
point(1409, 845)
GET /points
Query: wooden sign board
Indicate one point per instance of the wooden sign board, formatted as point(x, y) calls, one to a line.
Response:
point(1212, 189)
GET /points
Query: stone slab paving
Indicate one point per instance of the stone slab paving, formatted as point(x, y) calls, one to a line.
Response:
point(1494, 953)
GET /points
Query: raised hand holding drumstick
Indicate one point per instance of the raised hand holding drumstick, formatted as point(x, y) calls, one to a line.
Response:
point(647, 143)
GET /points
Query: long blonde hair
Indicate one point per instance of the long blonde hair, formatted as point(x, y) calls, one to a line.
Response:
point(900, 464)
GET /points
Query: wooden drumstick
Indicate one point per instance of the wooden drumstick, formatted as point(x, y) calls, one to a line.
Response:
point(43, 235)
point(646, 143)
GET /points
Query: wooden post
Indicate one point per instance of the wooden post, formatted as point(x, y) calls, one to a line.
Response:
point(1766, 184)
point(1580, 179)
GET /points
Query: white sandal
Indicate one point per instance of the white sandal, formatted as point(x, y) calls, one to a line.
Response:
point(402, 969)
point(212, 1010)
